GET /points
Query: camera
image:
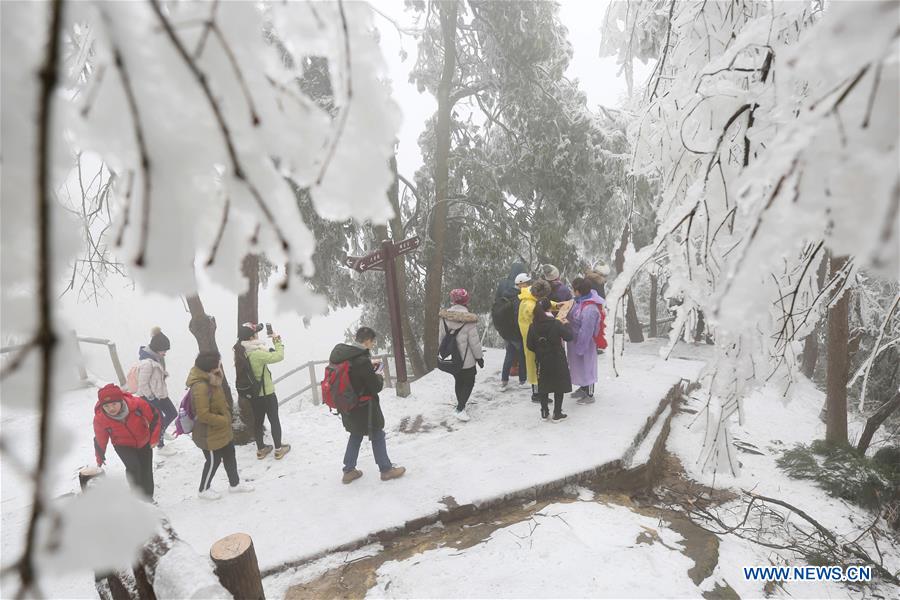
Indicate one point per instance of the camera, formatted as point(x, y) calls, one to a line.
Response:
point(269, 330)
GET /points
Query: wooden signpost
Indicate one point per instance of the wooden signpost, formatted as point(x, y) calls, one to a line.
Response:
point(383, 260)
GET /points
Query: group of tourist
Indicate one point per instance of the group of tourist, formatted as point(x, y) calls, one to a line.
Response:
point(552, 335)
point(552, 354)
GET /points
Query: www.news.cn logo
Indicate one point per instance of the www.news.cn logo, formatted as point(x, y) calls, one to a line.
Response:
point(832, 573)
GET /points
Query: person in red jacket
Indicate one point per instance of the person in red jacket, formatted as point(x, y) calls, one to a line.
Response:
point(132, 425)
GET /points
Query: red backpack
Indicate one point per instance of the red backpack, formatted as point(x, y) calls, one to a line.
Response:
point(600, 335)
point(337, 393)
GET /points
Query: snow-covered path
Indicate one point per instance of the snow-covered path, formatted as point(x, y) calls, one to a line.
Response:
point(300, 508)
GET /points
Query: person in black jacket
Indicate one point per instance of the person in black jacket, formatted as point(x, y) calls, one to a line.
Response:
point(545, 339)
point(366, 419)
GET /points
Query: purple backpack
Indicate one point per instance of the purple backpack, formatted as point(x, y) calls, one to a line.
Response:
point(186, 417)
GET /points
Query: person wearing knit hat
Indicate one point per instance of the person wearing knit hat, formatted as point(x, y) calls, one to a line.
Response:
point(252, 358)
point(212, 431)
point(132, 425)
point(597, 276)
point(464, 325)
point(559, 291)
point(151, 381)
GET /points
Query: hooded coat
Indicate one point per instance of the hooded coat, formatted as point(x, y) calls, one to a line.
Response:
point(585, 320)
point(597, 281)
point(212, 411)
point(365, 382)
point(545, 339)
point(260, 357)
point(468, 340)
point(506, 288)
point(151, 375)
point(138, 427)
point(526, 316)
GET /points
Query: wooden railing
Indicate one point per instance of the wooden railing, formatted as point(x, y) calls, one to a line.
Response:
point(314, 381)
point(82, 369)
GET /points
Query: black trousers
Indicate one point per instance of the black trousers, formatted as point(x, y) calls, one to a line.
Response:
point(266, 406)
point(138, 467)
point(213, 458)
point(465, 383)
point(557, 402)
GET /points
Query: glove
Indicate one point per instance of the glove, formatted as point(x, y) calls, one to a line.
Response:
point(480, 362)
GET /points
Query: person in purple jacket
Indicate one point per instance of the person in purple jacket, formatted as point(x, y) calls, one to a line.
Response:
point(582, 350)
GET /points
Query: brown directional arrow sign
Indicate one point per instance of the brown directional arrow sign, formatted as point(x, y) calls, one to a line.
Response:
point(407, 245)
point(383, 260)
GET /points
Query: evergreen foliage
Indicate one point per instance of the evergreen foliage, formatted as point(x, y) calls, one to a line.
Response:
point(845, 473)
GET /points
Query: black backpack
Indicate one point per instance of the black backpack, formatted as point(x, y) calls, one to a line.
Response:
point(505, 317)
point(449, 358)
point(247, 385)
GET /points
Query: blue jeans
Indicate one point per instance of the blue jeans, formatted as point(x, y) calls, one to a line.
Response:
point(379, 449)
point(514, 351)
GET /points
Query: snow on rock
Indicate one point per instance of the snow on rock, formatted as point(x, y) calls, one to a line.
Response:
point(183, 574)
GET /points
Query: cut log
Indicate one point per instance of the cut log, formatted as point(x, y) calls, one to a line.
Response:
point(236, 566)
point(86, 474)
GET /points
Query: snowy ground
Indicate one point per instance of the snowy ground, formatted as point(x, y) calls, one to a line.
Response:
point(300, 508)
point(608, 546)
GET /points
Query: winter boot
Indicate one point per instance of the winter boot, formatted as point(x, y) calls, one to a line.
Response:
point(393, 473)
point(351, 476)
point(545, 413)
point(280, 452)
point(503, 385)
point(263, 452)
point(560, 416)
point(585, 400)
point(579, 394)
point(209, 494)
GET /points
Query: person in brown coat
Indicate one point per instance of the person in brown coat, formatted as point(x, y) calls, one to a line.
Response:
point(212, 427)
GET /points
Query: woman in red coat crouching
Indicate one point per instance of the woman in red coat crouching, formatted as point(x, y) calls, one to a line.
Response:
point(132, 425)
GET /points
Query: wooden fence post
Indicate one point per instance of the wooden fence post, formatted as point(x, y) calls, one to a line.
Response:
point(315, 387)
point(387, 373)
point(82, 369)
point(237, 567)
point(116, 364)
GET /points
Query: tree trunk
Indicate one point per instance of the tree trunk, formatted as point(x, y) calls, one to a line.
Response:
point(875, 421)
point(838, 370)
point(413, 350)
point(248, 302)
point(203, 327)
point(811, 342)
point(237, 567)
point(632, 324)
point(438, 227)
point(701, 325)
point(654, 298)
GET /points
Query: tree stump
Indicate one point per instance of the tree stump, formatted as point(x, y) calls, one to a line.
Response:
point(86, 474)
point(237, 568)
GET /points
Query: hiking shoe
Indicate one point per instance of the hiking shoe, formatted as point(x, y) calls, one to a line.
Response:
point(393, 473)
point(545, 413)
point(264, 452)
point(165, 450)
point(560, 417)
point(585, 400)
point(503, 385)
point(535, 398)
point(280, 452)
point(462, 415)
point(241, 488)
point(209, 494)
point(351, 476)
point(578, 394)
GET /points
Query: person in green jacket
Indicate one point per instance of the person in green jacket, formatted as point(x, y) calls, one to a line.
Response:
point(212, 431)
point(264, 403)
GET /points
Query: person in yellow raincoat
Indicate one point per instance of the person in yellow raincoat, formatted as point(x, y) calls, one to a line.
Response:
point(528, 297)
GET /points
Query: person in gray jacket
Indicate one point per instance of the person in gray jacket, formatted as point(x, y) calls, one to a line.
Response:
point(458, 318)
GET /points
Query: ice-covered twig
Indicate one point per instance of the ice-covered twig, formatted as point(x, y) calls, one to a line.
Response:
point(345, 110)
